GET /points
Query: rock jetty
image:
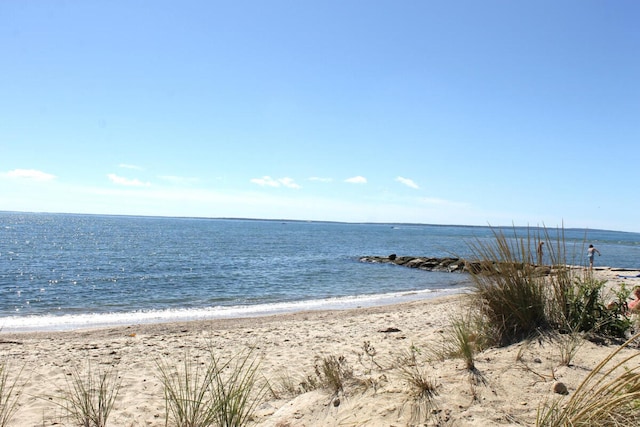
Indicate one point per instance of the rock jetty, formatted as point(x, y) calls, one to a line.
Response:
point(449, 265)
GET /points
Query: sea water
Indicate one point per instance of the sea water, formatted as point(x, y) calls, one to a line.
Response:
point(65, 271)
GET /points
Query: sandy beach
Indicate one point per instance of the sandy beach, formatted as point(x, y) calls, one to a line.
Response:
point(509, 386)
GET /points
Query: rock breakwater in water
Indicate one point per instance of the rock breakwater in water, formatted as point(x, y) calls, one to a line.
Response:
point(423, 263)
point(451, 265)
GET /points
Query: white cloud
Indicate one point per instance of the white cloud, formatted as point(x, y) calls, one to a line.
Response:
point(31, 174)
point(289, 183)
point(408, 182)
point(356, 180)
point(267, 181)
point(127, 182)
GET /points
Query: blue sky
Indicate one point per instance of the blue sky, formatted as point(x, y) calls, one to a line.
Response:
point(442, 112)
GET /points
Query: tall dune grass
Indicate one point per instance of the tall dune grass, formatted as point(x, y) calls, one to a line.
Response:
point(214, 393)
point(511, 295)
point(188, 402)
point(608, 396)
point(518, 299)
point(90, 396)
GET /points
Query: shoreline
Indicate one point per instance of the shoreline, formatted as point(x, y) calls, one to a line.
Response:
point(90, 321)
point(515, 379)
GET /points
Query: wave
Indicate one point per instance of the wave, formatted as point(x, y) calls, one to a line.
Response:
point(70, 322)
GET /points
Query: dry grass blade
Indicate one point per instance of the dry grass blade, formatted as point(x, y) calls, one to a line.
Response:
point(235, 389)
point(333, 373)
point(212, 393)
point(9, 393)
point(569, 345)
point(424, 390)
point(608, 396)
point(90, 396)
point(186, 393)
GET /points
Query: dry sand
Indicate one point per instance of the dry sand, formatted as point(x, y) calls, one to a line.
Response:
point(507, 389)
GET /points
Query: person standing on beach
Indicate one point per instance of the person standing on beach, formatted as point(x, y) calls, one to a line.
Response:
point(590, 254)
point(540, 252)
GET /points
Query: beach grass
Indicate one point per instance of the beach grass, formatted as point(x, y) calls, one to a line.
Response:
point(10, 390)
point(422, 388)
point(569, 344)
point(90, 395)
point(518, 299)
point(333, 373)
point(608, 396)
point(236, 390)
point(214, 393)
point(510, 293)
point(187, 399)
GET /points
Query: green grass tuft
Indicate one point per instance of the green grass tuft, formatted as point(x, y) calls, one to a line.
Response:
point(90, 396)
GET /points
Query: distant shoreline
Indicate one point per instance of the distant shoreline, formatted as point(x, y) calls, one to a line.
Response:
point(315, 221)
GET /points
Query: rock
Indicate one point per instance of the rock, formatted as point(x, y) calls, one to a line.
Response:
point(422, 263)
point(451, 265)
point(560, 388)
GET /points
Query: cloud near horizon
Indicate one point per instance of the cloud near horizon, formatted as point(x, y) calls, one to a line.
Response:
point(127, 182)
point(31, 174)
point(267, 181)
point(356, 180)
point(408, 182)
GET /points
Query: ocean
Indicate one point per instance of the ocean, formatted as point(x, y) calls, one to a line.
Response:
point(68, 271)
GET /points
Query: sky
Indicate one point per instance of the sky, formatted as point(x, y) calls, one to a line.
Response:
point(428, 111)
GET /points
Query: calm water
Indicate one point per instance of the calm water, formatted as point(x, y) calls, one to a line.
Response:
point(69, 271)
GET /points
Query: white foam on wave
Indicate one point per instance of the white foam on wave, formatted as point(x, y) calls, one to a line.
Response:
point(100, 320)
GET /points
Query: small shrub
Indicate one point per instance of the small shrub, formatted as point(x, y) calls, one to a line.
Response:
point(370, 352)
point(587, 311)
